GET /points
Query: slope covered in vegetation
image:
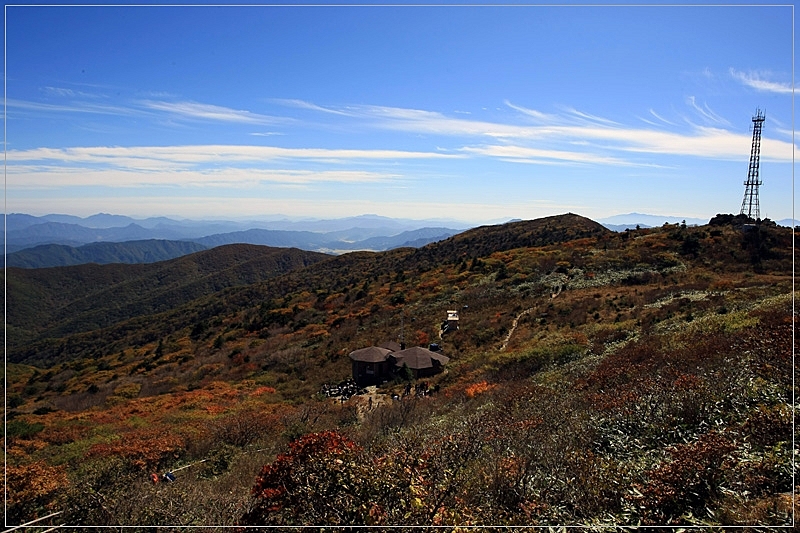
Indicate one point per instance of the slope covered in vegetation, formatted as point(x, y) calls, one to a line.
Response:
point(52, 303)
point(102, 253)
point(596, 378)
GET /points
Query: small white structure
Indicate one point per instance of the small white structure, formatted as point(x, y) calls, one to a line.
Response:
point(452, 320)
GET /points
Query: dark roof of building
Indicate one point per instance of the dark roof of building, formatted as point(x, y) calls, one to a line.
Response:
point(419, 358)
point(372, 354)
point(391, 345)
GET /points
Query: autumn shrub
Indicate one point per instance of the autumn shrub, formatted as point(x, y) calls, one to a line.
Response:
point(745, 511)
point(314, 483)
point(760, 474)
point(79, 401)
point(687, 482)
point(418, 476)
point(142, 449)
point(107, 492)
point(61, 433)
point(606, 336)
point(552, 351)
point(98, 492)
point(394, 416)
point(33, 490)
point(218, 460)
point(561, 473)
point(769, 425)
point(18, 428)
point(243, 427)
point(534, 463)
point(478, 388)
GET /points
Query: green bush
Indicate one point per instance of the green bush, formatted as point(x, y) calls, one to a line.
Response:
point(22, 429)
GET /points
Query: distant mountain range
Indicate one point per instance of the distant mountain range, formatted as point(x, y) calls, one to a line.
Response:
point(60, 240)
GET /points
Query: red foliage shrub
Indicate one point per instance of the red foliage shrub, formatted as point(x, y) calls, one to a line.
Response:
point(304, 485)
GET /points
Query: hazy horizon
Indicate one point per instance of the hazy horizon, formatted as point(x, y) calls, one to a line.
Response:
point(617, 219)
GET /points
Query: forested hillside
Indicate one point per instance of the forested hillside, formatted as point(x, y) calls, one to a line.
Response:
point(102, 253)
point(47, 304)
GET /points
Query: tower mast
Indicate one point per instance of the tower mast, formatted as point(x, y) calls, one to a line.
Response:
point(750, 205)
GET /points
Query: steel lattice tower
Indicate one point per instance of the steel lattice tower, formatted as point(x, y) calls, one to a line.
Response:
point(750, 202)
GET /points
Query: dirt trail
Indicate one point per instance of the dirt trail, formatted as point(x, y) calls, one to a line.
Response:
point(363, 404)
point(513, 327)
point(557, 288)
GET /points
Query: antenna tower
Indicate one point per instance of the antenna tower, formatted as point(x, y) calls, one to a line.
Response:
point(750, 202)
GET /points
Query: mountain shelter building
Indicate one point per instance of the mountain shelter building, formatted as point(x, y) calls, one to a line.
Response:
point(376, 364)
point(371, 366)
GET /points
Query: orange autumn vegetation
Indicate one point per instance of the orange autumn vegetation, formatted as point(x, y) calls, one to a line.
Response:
point(478, 388)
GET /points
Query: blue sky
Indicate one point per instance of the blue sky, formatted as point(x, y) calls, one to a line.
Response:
point(473, 113)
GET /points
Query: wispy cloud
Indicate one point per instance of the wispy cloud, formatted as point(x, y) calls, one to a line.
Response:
point(435, 123)
point(538, 116)
point(64, 92)
point(705, 112)
point(648, 121)
point(176, 110)
point(59, 91)
point(302, 104)
point(521, 154)
point(72, 107)
point(570, 137)
point(30, 177)
point(662, 119)
point(757, 82)
point(154, 158)
point(592, 119)
point(197, 111)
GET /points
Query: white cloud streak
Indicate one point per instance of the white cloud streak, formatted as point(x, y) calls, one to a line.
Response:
point(197, 111)
point(145, 157)
point(537, 116)
point(25, 177)
point(302, 104)
point(662, 119)
point(571, 138)
point(196, 166)
point(590, 118)
point(77, 107)
point(193, 111)
point(755, 81)
point(523, 154)
point(706, 113)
